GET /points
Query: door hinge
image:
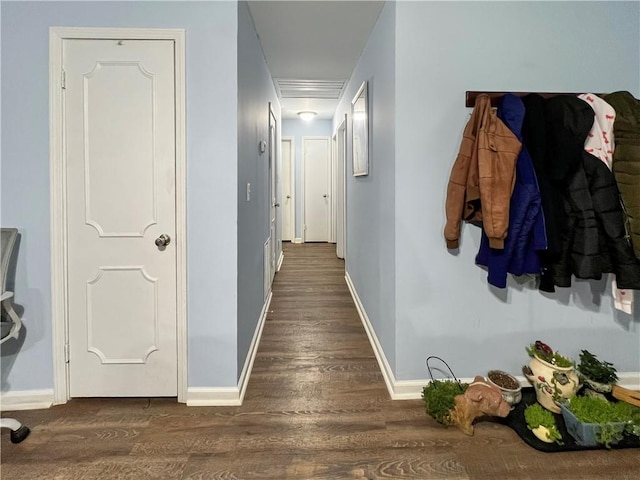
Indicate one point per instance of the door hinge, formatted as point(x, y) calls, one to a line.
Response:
point(66, 353)
point(63, 80)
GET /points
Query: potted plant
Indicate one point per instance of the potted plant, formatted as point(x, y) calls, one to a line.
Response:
point(594, 420)
point(439, 398)
point(552, 374)
point(542, 423)
point(597, 374)
point(544, 352)
point(462, 404)
point(632, 414)
point(508, 385)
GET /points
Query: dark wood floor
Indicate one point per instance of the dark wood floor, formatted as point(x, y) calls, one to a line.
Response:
point(316, 408)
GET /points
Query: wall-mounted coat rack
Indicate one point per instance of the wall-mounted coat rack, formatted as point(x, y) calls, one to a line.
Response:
point(471, 95)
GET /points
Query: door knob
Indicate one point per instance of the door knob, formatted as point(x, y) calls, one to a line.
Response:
point(325, 195)
point(276, 204)
point(163, 240)
point(288, 196)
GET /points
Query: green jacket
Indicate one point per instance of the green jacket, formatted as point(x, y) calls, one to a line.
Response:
point(626, 159)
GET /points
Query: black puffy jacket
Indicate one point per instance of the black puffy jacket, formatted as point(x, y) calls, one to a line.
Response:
point(593, 238)
point(615, 249)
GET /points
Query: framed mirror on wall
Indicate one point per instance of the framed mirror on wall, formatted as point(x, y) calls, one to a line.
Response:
point(360, 131)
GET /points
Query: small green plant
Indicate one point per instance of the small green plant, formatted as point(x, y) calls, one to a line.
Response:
point(439, 399)
point(536, 416)
point(608, 416)
point(596, 370)
point(631, 413)
point(546, 353)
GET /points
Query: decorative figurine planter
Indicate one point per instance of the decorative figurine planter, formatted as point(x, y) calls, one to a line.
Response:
point(553, 375)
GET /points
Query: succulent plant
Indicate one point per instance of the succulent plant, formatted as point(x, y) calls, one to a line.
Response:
point(546, 353)
point(596, 370)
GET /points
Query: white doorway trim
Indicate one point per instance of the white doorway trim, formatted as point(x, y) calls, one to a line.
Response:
point(333, 188)
point(341, 187)
point(271, 246)
point(302, 191)
point(292, 182)
point(58, 189)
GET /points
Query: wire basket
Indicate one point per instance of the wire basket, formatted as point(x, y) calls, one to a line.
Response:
point(429, 369)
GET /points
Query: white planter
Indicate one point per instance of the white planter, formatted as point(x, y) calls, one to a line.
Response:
point(542, 433)
point(553, 384)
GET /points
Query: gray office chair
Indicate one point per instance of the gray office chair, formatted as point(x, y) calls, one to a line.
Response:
point(11, 327)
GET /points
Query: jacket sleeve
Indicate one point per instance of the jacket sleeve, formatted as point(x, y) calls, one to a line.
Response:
point(610, 217)
point(457, 186)
point(498, 149)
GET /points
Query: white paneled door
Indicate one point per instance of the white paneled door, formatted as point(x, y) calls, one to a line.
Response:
point(317, 155)
point(119, 134)
point(273, 198)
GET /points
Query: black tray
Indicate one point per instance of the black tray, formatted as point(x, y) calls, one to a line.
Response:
point(516, 421)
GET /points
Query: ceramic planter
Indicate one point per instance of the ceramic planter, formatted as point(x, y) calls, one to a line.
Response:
point(553, 384)
point(542, 433)
point(511, 395)
point(586, 434)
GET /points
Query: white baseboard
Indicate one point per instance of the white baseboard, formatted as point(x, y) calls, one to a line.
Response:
point(243, 381)
point(412, 389)
point(26, 400)
point(385, 368)
point(398, 389)
point(196, 396)
point(213, 396)
point(297, 240)
point(280, 260)
point(231, 396)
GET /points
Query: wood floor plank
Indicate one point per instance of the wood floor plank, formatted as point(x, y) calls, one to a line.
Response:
point(316, 407)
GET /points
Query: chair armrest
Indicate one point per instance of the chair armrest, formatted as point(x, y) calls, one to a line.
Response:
point(5, 295)
point(5, 301)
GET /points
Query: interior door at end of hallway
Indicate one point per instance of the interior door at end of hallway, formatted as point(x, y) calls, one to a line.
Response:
point(317, 155)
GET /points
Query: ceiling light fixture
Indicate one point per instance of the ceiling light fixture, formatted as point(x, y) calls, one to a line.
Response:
point(307, 115)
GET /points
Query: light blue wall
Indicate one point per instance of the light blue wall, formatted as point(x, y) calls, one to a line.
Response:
point(297, 129)
point(255, 91)
point(371, 229)
point(444, 306)
point(211, 104)
point(421, 299)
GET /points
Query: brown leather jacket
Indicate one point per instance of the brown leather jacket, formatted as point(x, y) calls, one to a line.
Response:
point(482, 177)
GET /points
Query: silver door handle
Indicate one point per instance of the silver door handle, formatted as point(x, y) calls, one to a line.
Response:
point(163, 240)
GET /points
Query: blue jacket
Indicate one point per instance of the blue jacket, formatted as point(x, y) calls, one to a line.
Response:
point(526, 233)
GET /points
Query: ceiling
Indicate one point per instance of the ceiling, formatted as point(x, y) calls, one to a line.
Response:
point(312, 47)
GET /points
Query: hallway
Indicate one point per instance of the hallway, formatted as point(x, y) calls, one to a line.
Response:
point(316, 408)
point(314, 353)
